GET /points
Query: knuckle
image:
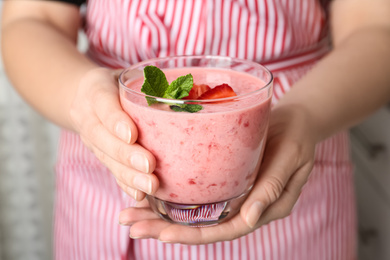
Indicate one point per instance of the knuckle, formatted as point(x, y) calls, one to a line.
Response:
point(99, 96)
point(273, 188)
point(91, 130)
point(123, 177)
point(120, 151)
point(120, 184)
point(102, 157)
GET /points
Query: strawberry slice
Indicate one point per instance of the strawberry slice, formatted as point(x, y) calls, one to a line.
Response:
point(220, 91)
point(197, 91)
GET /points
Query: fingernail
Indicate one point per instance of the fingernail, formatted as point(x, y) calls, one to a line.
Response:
point(135, 237)
point(254, 213)
point(122, 130)
point(132, 192)
point(123, 220)
point(139, 162)
point(142, 182)
point(164, 241)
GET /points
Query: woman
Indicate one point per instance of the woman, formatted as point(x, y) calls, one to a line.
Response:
point(319, 93)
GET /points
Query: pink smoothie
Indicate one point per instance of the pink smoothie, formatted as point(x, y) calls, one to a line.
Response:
point(208, 156)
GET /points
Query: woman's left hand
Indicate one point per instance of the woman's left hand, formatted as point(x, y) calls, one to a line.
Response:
point(287, 163)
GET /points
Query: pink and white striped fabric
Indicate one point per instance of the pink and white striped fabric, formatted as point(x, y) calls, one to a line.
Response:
point(288, 36)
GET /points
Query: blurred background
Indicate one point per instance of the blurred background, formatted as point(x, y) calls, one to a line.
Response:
point(27, 156)
point(28, 146)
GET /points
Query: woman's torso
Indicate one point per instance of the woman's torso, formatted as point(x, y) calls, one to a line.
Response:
point(289, 37)
point(126, 32)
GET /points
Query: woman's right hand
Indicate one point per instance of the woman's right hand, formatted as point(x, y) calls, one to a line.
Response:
point(108, 131)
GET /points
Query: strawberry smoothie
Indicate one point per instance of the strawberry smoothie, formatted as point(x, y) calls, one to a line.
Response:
point(209, 156)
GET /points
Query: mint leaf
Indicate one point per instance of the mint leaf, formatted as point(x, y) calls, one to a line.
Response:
point(180, 87)
point(192, 108)
point(155, 83)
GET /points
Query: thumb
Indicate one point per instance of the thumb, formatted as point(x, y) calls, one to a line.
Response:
point(277, 188)
point(265, 192)
point(275, 172)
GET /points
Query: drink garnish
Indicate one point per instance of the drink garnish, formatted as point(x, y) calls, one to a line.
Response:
point(156, 84)
point(220, 91)
point(196, 91)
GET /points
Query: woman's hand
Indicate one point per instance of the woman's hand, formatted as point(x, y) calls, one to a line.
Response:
point(110, 134)
point(287, 163)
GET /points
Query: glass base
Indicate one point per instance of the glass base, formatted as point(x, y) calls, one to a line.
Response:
point(197, 215)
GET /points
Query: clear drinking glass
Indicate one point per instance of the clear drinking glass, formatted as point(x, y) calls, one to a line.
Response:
point(207, 161)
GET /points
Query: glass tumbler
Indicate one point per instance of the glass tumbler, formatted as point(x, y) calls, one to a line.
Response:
point(207, 161)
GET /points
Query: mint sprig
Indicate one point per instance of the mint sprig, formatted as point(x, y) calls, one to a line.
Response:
point(156, 84)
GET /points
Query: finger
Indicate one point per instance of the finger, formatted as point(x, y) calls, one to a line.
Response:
point(148, 228)
point(132, 215)
point(134, 193)
point(285, 204)
point(227, 231)
point(99, 93)
point(106, 104)
point(145, 224)
point(142, 204)
point(276, 170)
point(98, 138)
point(131, 178)
point(107, 107)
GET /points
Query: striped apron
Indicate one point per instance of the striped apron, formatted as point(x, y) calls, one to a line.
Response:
point(288, 36)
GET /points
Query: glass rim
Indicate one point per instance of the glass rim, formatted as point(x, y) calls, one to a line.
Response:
point(144, 63)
